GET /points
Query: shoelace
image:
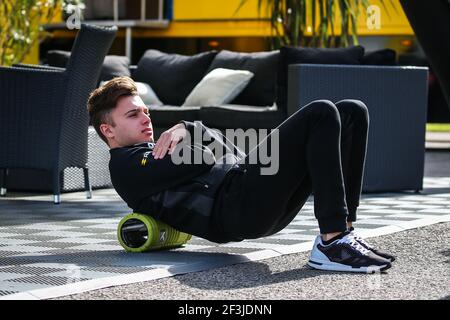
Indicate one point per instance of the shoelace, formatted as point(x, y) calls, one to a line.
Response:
point(361, 240)
point(351, 240)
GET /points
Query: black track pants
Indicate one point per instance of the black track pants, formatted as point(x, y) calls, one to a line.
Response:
point(322, 149)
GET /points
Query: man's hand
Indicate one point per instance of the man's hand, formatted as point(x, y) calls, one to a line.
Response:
point(169, 140)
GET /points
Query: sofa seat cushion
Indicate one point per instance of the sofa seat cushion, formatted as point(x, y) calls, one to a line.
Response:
point(167, 116)
point(241, 116)
point(172, 76)
point(261, 90)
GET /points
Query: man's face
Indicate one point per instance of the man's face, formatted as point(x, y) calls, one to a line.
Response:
point(132, 123)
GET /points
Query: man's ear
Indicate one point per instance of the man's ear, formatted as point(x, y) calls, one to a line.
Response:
point(107, 131)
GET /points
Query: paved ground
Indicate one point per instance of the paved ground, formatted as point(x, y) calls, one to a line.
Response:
point(40, 241)
point(437, 163)
point(49, 251)
point(422, 271)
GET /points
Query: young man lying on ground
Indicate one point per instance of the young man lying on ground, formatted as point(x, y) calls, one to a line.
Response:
point(321, 149)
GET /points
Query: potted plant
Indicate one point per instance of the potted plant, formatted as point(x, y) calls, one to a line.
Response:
point(21, 24)
point(292, 20)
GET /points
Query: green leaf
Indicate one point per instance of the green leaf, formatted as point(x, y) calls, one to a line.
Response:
point(303, 11)
point(20, 24)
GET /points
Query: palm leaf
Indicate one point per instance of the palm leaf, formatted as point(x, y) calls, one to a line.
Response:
point(294, 24)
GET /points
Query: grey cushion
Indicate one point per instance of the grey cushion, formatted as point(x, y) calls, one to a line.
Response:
point(383, 57)
point(113, 66)
point(58, 58)
point(172, 76)
point(262, 88)
point(297, 55)
point(167, 116)
point(218, 87)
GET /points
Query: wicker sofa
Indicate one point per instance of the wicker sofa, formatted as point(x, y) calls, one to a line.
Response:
point(397, 101)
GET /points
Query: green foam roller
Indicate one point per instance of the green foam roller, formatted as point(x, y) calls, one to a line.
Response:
point(140, 233)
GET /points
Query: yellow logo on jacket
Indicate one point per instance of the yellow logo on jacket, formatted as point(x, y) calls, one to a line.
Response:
point(145, 158)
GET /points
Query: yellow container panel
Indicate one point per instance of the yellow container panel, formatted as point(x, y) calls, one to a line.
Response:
point(215, 9)
point(200, 18)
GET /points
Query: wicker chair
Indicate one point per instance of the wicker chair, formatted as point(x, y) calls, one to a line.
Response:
point(397, 101)
point(43, 116)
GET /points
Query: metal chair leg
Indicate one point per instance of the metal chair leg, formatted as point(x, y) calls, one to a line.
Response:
point(56, 198)
point(87, 184)
point(56, 187)
point(3, 190)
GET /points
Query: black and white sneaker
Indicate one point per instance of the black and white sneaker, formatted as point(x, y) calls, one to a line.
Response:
point(368, 246)
point(345, 254)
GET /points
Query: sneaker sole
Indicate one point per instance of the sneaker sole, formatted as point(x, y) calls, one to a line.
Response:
point(334, 266)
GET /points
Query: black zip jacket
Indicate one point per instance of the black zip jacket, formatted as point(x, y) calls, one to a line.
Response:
point(181, 195)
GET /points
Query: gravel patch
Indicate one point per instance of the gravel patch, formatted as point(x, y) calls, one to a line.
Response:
point(421, 271)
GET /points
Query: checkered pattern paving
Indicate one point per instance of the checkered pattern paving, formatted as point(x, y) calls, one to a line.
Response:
point(43, 245)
